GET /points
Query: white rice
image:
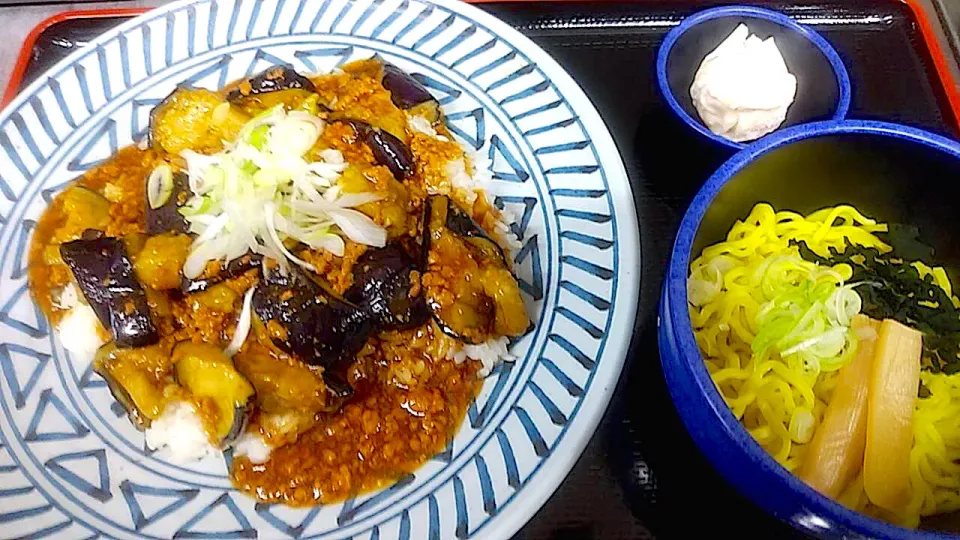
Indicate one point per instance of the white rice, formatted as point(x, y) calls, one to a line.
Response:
point(253, 447)
point(475, 185)
point(505, 234)
point(482, 175)
point(79, 330)
point(471, 185)
point(460, 180)
point(69, 297)
point(180, 432)
point(495, 350)
point(421, 125)
point(489, 354)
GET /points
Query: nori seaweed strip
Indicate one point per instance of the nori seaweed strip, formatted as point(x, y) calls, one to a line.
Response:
point(893, 289)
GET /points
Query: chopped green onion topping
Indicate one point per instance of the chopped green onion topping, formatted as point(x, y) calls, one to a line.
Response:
point(807, 314)
point(258, 137)
point(261, 192)
point(159, 186)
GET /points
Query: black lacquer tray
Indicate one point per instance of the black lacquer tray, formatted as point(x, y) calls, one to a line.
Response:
point(641, 476)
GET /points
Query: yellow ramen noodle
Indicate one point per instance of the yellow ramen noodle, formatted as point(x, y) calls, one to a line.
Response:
point(778, 401)
point(772, 395)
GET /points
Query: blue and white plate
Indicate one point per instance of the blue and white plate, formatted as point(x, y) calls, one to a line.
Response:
point(72, 466)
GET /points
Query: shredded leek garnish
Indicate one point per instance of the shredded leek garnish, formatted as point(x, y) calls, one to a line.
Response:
point(243, 324)
point(261, 193)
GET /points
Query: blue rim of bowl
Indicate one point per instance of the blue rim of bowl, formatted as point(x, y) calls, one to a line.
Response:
point(839, 69)
point(693, 362)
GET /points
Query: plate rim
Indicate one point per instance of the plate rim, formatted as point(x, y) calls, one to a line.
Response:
point(583, 425)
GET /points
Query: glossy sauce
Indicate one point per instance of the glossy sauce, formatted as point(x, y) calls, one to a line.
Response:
point(410, 399)
point(407, 408)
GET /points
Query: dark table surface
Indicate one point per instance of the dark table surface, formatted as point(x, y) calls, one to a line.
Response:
point(641, 457)
point(641, 476)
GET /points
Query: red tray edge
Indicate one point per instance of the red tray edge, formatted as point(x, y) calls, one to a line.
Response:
point(940, 59)
point(23, 59)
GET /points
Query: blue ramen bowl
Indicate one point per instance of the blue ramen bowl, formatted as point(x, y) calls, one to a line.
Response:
point(823, 85)
point(890, 172)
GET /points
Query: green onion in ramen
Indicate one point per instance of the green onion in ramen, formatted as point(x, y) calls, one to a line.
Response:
point(839, 354)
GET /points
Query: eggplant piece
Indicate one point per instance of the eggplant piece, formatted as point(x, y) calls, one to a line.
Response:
point(283, 384)
point(234, 268)
point(270, 81)
point(284, 428)
point(194, 119)
point(220, 298)
point(210, 376)
point(443, 214)
point(387, 149)
point(84, 209)
point(132, 382)
point(468, 285)
point(390, 152)
point(384, 282)
point(408, 94)
point(159, 260)
point(405, 91)
point(184, 121)
point(106, 277)
point(304, 318)
point(167, 217)
point(337, 386)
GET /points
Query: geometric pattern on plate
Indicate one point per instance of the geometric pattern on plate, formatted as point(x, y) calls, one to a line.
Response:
point(72, 466)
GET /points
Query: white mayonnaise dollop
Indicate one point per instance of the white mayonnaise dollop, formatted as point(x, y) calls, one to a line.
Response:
point(743, 89)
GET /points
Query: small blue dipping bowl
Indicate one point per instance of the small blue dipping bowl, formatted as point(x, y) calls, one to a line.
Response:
point(823, 85)
point(892, 173)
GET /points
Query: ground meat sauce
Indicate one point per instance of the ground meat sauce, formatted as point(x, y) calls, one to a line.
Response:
point(408, 406)
point(409, 398)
